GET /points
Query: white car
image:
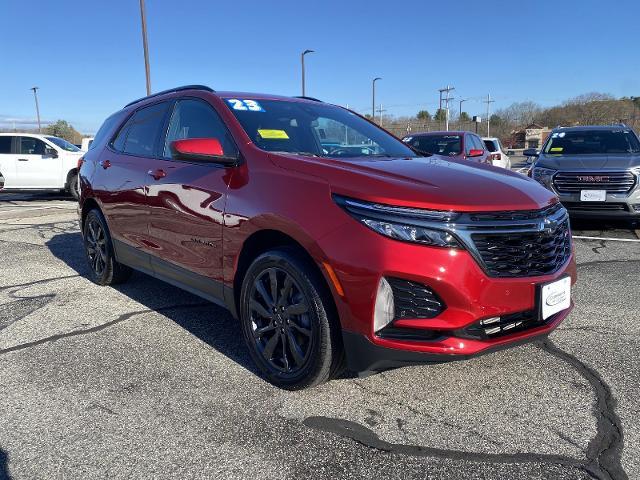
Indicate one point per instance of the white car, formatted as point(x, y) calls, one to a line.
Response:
point(86, 143)
point(496, 153)
point(38, 162)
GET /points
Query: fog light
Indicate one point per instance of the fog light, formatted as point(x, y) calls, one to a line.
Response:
point(384, 309)
point(636, 207)
point(489, 321)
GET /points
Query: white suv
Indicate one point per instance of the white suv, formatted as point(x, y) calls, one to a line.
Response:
point(38, 162)
point(496, 153)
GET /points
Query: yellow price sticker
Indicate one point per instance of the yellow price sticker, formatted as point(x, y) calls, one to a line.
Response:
point(273, 134)
point(556, 149)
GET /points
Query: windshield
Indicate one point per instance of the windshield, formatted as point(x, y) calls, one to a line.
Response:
point(589, 142)
point(313, 129)
point(448, 145)
point(63, 144)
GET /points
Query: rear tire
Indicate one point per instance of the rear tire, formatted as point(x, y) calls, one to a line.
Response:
point(103, 267)
point(72, 186)
point(288, 322)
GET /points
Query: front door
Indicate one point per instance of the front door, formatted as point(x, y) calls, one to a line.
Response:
point(186, 202)
point(38, 165)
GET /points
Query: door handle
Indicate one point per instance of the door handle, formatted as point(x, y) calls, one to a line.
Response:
point(157, 174)
point(105, 164)
point(23, 159)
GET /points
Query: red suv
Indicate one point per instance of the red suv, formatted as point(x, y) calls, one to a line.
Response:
point(458, 145)
point(331, 241)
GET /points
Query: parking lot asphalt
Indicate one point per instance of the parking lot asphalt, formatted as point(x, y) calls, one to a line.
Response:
point(145, 380)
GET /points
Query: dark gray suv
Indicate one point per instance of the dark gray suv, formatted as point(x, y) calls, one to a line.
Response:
point(595, 170)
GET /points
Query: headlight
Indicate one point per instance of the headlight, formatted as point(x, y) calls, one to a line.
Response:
point(543, 175)
point(415, 225)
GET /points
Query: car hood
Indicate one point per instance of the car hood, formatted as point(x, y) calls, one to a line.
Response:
point(424, 182)
point(588, 162)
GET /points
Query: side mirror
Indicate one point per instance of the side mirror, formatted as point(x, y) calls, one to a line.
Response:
point(531, 152)
point(475, 152)
point(201, 150)
point(51, 152)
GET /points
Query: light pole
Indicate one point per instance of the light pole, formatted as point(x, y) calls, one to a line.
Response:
point(373, 98)
point(143, 18)
point(35, 95)
point(302, 63)
point(460, 111)
point(488, 101)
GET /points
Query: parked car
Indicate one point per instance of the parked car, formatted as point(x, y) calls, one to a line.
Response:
point(496, 152)
point(594, 170)
point(459, 145)
point(386, 259)
point(38, 162)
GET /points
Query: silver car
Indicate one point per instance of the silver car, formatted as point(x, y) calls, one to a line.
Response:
point(594, 170)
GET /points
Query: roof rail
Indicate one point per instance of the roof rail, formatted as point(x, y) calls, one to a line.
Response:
point(171, 90)
point(308, 98)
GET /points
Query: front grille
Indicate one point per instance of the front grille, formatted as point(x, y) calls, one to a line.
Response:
point(598, 206)
point(515, 214)
point(414, 300)
point(505, 325)
point(524, 254)
point(612, 182)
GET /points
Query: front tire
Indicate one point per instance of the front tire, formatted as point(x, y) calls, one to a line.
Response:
point(288, 322)
point(103, 267)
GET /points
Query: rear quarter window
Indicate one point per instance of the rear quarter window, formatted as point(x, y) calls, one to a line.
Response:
point(140, 134)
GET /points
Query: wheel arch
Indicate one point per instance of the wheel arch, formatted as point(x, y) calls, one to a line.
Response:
point(88, 205)
point(265, 240)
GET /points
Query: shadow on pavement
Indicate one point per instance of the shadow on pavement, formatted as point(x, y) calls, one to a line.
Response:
point(4, 469)
point(208, 322)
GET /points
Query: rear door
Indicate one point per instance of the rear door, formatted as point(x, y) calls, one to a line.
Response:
point(38, 164)
point(121, 180)
point(7, 161)
point(186, 202)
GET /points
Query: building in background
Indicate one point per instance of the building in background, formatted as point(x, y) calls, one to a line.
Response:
point(531, 136)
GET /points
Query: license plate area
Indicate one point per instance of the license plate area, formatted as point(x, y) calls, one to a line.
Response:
point(593, 195)
point(553, 297)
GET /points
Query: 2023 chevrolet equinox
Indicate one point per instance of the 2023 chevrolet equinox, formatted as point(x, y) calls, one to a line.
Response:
point(331, 241)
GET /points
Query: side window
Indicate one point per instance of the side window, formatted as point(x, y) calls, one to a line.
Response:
point(103, 131)
point(197, 119)
point(5, 144)
point(32, 146)
point(139, 135)
point(468, 144)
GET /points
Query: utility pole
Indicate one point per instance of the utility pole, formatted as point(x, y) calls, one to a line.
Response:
point(488, 101)
point(373, 98)
point(302, 63)
point(143, 19)
point(446, 99)
point(380, 112)
point(35, 95)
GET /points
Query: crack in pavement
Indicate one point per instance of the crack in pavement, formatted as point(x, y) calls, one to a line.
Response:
point(37, 282)
point(605, 449)
point(603, 455)
point(97, 328)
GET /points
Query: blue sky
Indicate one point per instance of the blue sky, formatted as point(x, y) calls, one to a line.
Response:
point(86, 55)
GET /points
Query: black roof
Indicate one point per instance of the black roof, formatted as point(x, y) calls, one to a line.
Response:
point(172, 90)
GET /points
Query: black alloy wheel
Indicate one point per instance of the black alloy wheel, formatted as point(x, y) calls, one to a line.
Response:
point(96, 245)
point(288, 320)
point(280, 321)
point(103, 267)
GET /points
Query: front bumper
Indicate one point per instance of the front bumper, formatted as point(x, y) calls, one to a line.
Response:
point(360, 257)
point(616, 205)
